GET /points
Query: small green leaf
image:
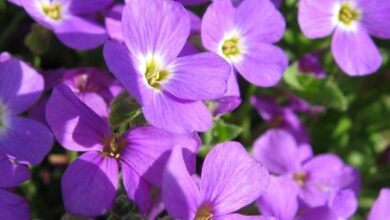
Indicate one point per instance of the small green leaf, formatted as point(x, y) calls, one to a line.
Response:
point(316, 91)
point(125, 111)
point(38, 40)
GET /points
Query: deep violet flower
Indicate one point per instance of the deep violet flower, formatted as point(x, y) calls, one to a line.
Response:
point(170, 89)
point(310, 63)
point(12, 206)
point(244, 35)
point(380, 208)
point(70, 20)
point(230, 180)
point(316, 179)
point(90, 183)
point(22, 138)
point(351, 22)
point(280, 117)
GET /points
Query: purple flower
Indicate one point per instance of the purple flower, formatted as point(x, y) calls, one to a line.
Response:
point(280, 117)
point(230, 180)
point(170, 89)
point(316, 179)
point(244, 35)
point(351, 22)
point(70, 20)
point(90, 183)
point(298, 104)
point(310, 63)
point(12, 206)
point(192, 2)
point(380, 208)
point(24, 139)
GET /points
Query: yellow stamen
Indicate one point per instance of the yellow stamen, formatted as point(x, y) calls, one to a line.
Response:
point(230, 47)
point(53, 11)
point(348, 14)
point(300, 178)
point(154, 75)
point(113, 146)
point(204, 213)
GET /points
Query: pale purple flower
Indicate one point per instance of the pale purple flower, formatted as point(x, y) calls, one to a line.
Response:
point(230, 180)
point(22, 138)
point(12, 206)
point(380, 208)
point(170, 89)
point(70, 20)
point(90, 183)
point(351, 22)
point(317, 179)
point(244, 36)
point(280, 117)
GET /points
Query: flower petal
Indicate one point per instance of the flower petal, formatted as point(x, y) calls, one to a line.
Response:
point(231, 99)
point(12, 174)
point(280, 199)
point(136, 187)
point(80, 33)
point(88, 6)
point(198, 77)
point(177, 115)
point(121, 64)
point(355, 52)
point(344, 203)
point(243, 217)
point(315, 19)
point(20, 85)
point(113, 23)
point(376, 17)
point(13, 207)
point(74, 124)
point(262, 64)
point(231, 178)
point(380, 208)
point(278, 151)
point(192, 2)
point(155, 27)
point(319, 213)
point(89, 185)
point(26, 140)
point(149, 148)
point(259, 21)
point(217, 21)
point(179, 191)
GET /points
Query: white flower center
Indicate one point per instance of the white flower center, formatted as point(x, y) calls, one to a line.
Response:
point(231, 47)
point(346, 15)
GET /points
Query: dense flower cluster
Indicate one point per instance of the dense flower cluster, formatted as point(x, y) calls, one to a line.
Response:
point(177, 89)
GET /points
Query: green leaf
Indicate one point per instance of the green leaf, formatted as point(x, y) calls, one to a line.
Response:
point(125, 111)
point(316, 91)
point(38, 40)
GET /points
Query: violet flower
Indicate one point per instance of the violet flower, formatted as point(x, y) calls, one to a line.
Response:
point(90, 183)
point(12, 206)
point(380, 208)
point(351, 22)
point(244, 35)
point(192, 2)
point(310, 63)
point(70, 20)
point(170, 89)
point(230, 180)
point(316, 178)
point(22, 138)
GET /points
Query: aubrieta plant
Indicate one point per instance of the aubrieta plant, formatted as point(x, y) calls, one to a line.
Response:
point(194, 109)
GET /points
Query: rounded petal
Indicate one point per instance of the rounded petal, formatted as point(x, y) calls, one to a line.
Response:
point(324, 169)
point(315, 18)
point(217, 21)
point(259, 21)
point(278, 151)
point(200, 77)
point(280, 199)
point(319, 213)
point(376, 17)
point(121, 64)
point(179, 191)
point(231, 178)
point(80, 33)
point(231, 99)
point(262, 64)
point(380, 208)
point(149, 147)
point(113, 23)
point(12, 174)
point(20, 85)
point(26, 140)
point(178, 116)
point(89, 185)
point(74, 124)
point(13, 207)
point(155, 27)
point(344, 203)
point(355, 52)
